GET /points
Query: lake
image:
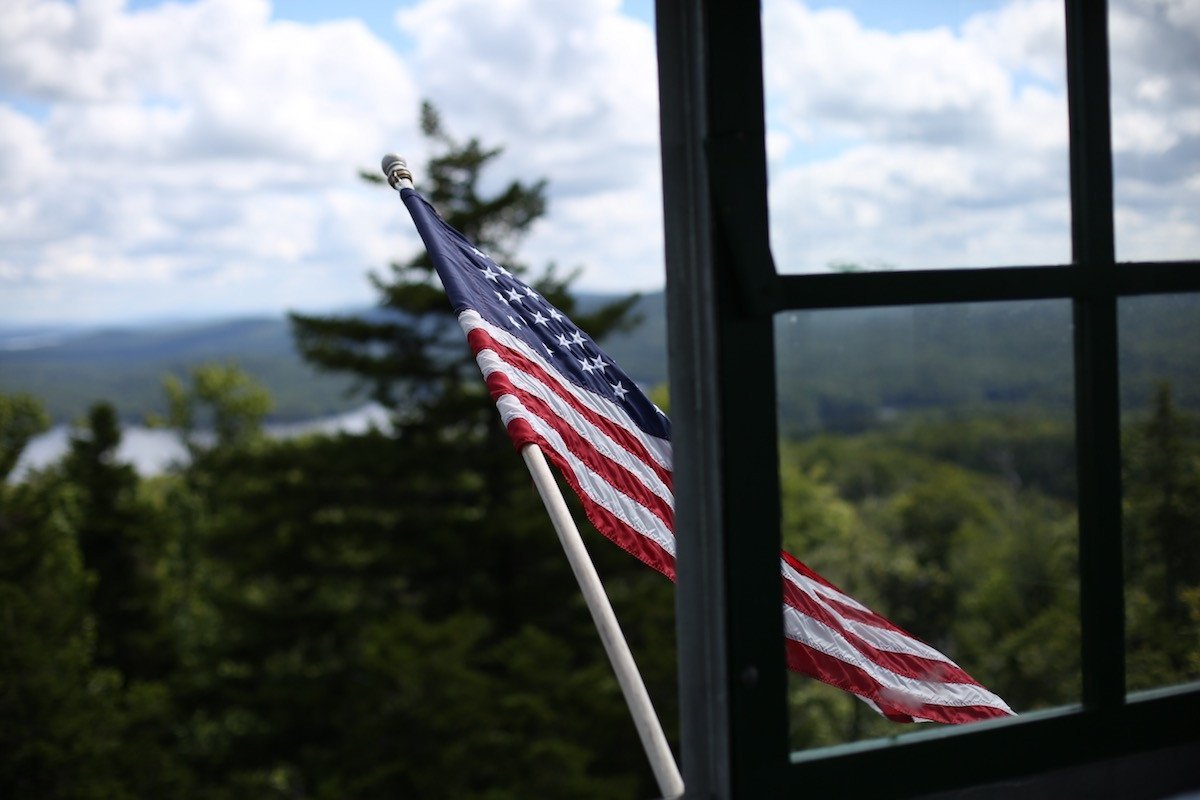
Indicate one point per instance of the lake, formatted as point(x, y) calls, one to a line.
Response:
point(152, 450)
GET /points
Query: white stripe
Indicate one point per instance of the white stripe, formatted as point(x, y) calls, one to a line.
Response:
point(800, 579)
point(490, 361)
point(815, 634)
point(630, 512)
point(882, 638)
point(659, 449)
point(875, 707)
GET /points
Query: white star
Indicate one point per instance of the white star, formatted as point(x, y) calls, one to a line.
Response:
point(505, 272)
point(549, 352)
point(562, 340)
point(619, 390)
point(501, 298)
point(530, 292)
point(513, 294)
point(599, 363)
point(516, 323)
point(480, 253)
point(490, 273)
point(578, 339)
point(540, 318)
point(554, 315)
point(587, 365)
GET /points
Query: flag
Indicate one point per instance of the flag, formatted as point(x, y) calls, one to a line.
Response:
point(555, 388)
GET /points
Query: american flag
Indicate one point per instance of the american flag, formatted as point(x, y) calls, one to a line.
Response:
point(557, 389)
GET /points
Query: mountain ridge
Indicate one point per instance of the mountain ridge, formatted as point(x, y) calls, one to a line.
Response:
point(837, 369)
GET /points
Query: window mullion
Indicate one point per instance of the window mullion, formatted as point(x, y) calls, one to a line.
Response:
point(1097, 394)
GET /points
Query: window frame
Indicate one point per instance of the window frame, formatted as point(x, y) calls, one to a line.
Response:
point(722, 294)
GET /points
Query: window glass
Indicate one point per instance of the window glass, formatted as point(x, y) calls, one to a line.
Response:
point(1160, 395)
point(916, 135)
point(927, 469)
point(1155, 54)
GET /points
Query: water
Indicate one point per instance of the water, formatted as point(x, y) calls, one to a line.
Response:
point(152, 451)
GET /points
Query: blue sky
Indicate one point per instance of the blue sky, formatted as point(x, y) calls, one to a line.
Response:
point(181, 160)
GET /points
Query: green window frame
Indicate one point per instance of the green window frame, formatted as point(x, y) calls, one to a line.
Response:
point(722, 293)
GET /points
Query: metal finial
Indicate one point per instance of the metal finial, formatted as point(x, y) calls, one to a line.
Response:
point(396, 170)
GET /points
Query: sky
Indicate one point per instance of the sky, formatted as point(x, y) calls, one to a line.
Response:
point(180, 160)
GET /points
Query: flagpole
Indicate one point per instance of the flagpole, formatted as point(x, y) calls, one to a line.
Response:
point(654, 741)
point(662, 762)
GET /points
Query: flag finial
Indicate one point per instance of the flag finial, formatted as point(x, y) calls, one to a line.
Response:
point(396, 170)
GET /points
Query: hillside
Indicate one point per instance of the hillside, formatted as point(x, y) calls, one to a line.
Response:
point(842, 370)
point(126, 366)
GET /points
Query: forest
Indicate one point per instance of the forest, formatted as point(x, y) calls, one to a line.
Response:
point(389, 614)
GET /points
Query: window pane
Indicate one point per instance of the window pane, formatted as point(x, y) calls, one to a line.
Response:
point(1160, 383)
point(1155, 52)
point(927, 469)
point(916, 135)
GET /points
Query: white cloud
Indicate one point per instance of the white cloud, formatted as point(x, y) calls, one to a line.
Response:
point(1156, 128)
point(191, 146)
point(949, 146)
point(570, 89)
point(943, 154)
point(201, 155)
point(24, 158)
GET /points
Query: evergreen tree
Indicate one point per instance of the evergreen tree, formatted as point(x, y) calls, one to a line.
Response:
point(122, 545)
point(78, 640)
point(1162, 505)
point(409, 353)
point(396, 616)
point(413, 356)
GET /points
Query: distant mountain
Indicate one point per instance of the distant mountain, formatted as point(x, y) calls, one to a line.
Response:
point(840, 369)
point(72, 369)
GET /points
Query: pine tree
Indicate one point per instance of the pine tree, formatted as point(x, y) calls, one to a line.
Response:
point(409, 352)
point(413, 357)
point(121, 545)
point(1162, 504)
point(396, 615)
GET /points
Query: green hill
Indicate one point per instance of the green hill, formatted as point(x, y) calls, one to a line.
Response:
point(841, 369)
point(126, 366)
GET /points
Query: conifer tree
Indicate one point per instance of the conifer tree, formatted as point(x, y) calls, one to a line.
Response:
point(121, 545)
point(394, 604)
point(1162, 504)
point(409, 352)
point(412, 356)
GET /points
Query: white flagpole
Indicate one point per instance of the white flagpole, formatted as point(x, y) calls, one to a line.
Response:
point(654, 741)
point(662, 762)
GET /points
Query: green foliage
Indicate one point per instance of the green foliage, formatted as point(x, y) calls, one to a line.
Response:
point(981, 566)
point(21, 418)
point(121, 545)
point(85, 714)
point(221, 400)
point(1162, 548)
point(395, 615)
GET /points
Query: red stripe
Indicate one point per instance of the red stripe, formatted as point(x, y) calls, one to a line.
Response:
point(895, 706)
point(613, 473)
point(864, 615)
point(905, 664)
point(640, 547)
point(481, 340)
